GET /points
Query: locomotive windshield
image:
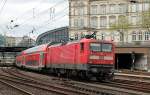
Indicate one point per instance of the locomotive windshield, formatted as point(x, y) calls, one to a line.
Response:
point(101, 47)
point(106, 47)
point(95, 47)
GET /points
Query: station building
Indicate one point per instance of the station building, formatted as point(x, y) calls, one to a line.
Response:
point(56, 35)
point(86, 16)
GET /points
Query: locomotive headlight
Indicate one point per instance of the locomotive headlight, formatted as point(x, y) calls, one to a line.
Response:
point(108, 57)
point(94, 57)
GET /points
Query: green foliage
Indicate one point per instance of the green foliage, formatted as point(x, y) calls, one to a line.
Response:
point(2, 40)
point(122, 24)
point(146, 20)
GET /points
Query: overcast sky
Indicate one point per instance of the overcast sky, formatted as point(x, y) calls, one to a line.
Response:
point(36, 15)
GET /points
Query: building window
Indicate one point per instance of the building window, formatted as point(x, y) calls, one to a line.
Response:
point(147, 35)
point(94, 9)
point(94, 23)
point(81, 8)
point(122, 8)
point(79, 22)
point(78, 9)
point(140, 7)
point(75, 22)
point(103, 36)
point(72, 11)
point(122, 21)
point(146, 6)
point(75, 11)
point(121, 36)
point(112, 20)
point(133, 7)
point(81, 11)
point(140, 36)
point(133, 20)
point(76, 36)
point(102, 9)
point(134, 36)
point(113, 8)
point(103, 21)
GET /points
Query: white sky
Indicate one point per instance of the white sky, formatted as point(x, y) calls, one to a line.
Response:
point(21, 12)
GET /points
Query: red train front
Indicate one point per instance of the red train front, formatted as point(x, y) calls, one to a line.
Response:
point(85, 58)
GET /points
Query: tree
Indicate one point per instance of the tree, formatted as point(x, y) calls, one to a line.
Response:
point(145, 23)
point(122, 26)
point(2, 40)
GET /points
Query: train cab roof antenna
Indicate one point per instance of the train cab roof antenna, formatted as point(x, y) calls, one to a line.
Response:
point(63, 42)
point(71, 39)
point(91, 36)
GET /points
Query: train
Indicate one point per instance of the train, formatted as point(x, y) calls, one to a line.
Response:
point(85, 58)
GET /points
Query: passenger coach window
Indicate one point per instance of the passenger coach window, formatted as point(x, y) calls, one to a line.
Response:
point(82, 46)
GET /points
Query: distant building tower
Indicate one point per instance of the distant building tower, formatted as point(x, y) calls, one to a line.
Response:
point(56, 35)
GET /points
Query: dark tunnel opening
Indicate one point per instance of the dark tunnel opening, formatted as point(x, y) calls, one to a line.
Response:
point(123, 61)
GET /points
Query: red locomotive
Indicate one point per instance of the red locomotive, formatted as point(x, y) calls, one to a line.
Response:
point(85, 58)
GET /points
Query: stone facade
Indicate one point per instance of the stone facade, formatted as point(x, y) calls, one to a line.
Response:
point(19, 41)
point(87, 16)
point(10, 41)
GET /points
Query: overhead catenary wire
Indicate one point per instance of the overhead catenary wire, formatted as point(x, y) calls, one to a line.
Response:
point(2, 8)
point(57, 15)
point(48, 21)
point(42, 12)
point(1, 2)
point(60, 18)
point(36, 6)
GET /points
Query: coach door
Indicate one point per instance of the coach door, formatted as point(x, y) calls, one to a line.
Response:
point(41, 59)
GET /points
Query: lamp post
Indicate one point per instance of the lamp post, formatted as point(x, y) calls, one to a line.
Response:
point(133, 60)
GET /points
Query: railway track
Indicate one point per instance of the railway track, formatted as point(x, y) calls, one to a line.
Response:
point(65, 83)
point(135, 72)
point(117, 87)
point(132, 85)
point(22, 92)
point(45, 86)
point(91, 88)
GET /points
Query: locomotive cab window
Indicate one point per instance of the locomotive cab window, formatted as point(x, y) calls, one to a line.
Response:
point(101, 47)
point(106, 47)
point(95, 47)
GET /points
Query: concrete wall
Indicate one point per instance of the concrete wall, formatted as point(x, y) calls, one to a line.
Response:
point(142, 56)
point(141, 62)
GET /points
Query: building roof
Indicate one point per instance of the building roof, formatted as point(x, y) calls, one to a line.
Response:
point(51, 31)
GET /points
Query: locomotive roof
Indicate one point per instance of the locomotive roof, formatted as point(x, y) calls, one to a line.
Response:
point(81, 40)
point(94, 40)
point(89, 40)
point(43, 47)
